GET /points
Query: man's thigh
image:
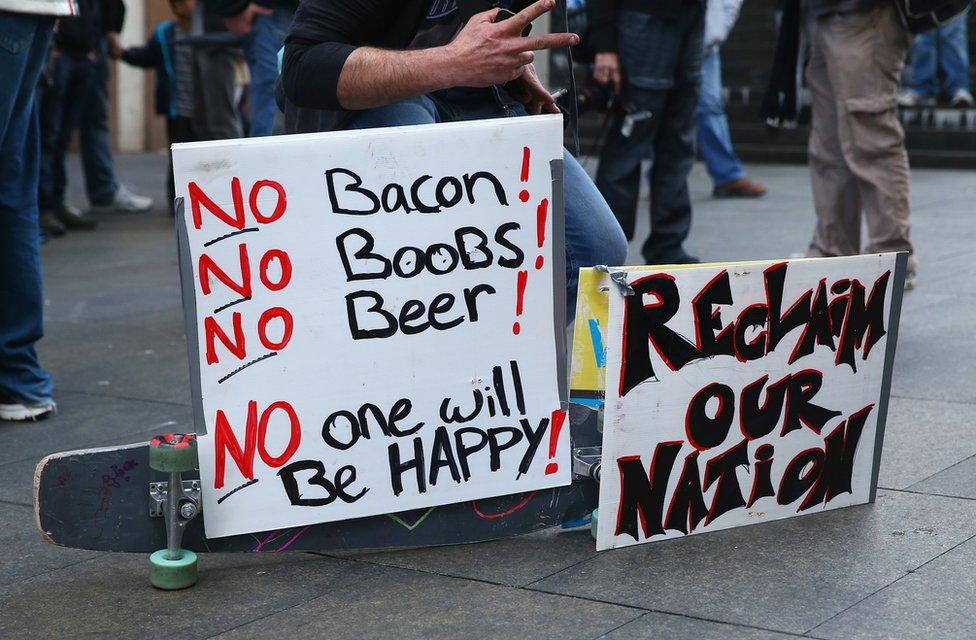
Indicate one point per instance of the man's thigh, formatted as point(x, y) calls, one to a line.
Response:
point(864, 52)
point(593, 235)
point(418, 110)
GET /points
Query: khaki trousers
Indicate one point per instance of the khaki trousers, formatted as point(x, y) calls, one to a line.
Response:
point(857, 145)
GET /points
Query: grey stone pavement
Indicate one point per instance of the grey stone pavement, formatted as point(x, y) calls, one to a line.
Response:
point(901, 568)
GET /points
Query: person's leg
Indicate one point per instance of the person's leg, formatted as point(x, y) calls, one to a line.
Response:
point(79, 82)
point(714, 138)
point(419, 110)
point(866, 51)
point(96, 150)
point(648, 56)
point(22, 380)
point(835, 195)
point(924, 61)
point(593, 235)
point(179, 129)
point(215, 114)
point(51, 102)
point(262, 47)
point(618, 173)
point(955, 55)
point(674, 150)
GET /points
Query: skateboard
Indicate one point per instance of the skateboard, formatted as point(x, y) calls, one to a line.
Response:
point(119, 499)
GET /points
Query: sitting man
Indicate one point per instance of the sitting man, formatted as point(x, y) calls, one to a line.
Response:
point(381, 63)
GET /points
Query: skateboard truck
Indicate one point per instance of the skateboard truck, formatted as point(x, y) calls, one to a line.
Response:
point(586, 462)
point(179, 502)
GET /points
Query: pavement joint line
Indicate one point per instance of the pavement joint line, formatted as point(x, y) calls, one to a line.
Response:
point(899, 579)
point(276, 612)
point(440, 573)
point(17, 504)
point(955, 464)
point(927, 494)
point(670, 613)
point(66, 566)
point(622, 624)
point(130, 398)
point(964, 402)
point(483, 580)
point(575, 564)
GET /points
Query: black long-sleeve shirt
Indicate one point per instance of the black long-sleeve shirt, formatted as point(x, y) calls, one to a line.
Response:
point(325, 32)
point(602, 17)
point(82, 33)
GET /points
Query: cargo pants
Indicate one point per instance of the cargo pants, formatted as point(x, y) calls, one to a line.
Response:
point(857, 151)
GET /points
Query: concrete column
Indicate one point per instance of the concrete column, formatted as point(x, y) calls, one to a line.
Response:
point(130, 84)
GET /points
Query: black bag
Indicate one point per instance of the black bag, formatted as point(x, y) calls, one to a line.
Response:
point(924, 15)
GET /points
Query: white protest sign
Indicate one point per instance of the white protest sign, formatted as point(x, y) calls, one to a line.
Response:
point(744, 393)
point(372, 319)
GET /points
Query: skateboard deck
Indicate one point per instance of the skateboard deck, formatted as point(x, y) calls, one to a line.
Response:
point(99, 499)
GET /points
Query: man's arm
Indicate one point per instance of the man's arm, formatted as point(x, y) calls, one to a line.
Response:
point(602, 16)
point(483, 53)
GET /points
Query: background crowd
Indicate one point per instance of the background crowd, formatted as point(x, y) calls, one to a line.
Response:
point(217, 64)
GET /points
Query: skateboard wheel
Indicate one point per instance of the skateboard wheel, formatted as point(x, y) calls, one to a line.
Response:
point(594, 522)
point(173, 452)
point(173, 574)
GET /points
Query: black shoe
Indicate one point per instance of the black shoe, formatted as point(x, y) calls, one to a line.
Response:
point(73, 218)
point(51, 225)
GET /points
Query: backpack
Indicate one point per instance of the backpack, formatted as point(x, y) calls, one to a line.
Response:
point(923, 15)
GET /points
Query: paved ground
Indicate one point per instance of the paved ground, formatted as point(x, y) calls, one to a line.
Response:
point(900, 568)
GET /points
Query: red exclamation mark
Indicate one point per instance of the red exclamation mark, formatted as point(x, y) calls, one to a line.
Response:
point(555, 426)
point(523, 277)
point(524, 177)
point(541, 213)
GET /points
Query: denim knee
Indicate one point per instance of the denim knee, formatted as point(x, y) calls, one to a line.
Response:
point(613, 251)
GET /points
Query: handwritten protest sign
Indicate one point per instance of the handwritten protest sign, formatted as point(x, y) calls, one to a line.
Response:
point(375, 319)
point(743, 393)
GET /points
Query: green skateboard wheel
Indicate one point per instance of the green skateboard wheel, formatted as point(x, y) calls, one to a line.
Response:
point(173, 452)
point(594, 522)
point(173, 574)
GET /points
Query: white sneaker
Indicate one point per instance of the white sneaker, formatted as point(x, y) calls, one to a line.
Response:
point(908, 98)
point(125, 202)
point(20, 412)
point(962, 98)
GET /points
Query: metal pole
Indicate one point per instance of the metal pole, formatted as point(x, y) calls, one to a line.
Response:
point(173, 493)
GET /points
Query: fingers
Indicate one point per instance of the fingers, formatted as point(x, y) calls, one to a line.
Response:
point(485, 16)
point(524, 18)
point(518, 73)
point(262, 11)
point(526, 57)
point(549, 41)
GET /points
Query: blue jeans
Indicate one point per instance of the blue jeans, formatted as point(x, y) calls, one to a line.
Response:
point(64, 95)
point(261, 48)
point(592, 235)
point(714, 139)
point(945, 46)
point(23, 48)
point(96, 149)
point(661, 61)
